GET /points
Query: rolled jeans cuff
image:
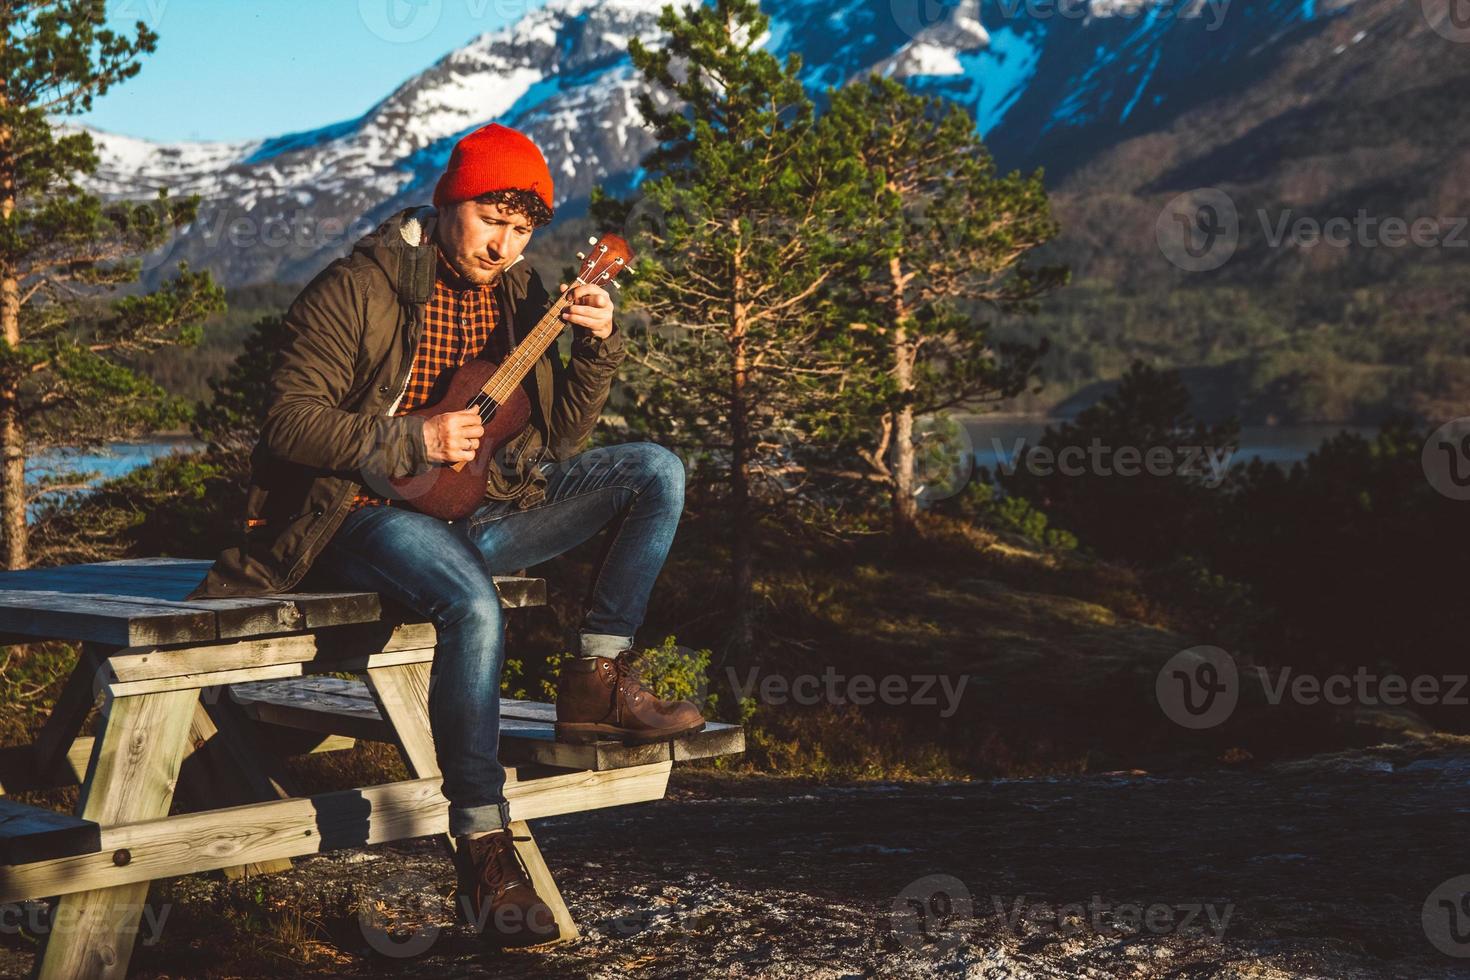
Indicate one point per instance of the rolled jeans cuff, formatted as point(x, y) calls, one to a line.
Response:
point(478, 819)
point(604, 644)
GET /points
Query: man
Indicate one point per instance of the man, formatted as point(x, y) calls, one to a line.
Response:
point(367, 340)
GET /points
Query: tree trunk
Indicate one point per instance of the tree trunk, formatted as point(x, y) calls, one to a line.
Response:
point(742, 523)
point(905, 502)
point(12, 434)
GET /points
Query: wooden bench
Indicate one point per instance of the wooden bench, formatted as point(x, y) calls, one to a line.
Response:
point(207, 697)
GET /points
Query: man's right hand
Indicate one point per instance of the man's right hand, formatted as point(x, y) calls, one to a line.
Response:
point(453, 437)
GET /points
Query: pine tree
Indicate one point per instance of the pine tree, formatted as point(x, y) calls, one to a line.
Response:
point(943, 238)
point(732, 263)
point(65, 352)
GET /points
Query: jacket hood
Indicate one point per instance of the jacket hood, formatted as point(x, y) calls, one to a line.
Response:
point(403, 247)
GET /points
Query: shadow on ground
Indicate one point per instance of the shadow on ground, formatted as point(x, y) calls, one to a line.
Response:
point(1319, 868)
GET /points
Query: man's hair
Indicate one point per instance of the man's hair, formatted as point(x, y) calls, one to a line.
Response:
point(528, 203)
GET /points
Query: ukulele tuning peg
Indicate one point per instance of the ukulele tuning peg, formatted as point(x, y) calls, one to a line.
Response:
point(582, 255)
point(592, 240)
point(617, 285)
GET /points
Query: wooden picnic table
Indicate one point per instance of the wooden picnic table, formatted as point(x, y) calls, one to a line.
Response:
point(208, 696)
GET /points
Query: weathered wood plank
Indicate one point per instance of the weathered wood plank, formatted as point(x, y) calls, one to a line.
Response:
point(107, 619)
point(400, 697)
point(29, 834)
point(716, 739)
point(331, 644)
point(336, 705)
point(286, 742)
point(197, 842)
point(131, 778)
point(17, 773)
point(223, 767)
point(272, 672)
point(28, 610)
point(542, 881)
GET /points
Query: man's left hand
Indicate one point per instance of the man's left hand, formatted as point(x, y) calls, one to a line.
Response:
point(592, 308)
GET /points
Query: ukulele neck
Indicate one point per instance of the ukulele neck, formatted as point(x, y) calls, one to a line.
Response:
point(519, 362)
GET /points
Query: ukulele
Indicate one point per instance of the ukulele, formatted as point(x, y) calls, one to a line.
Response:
point(452, 491)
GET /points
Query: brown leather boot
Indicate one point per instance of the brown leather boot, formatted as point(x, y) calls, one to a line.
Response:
point(598, 698)
point(495, 896)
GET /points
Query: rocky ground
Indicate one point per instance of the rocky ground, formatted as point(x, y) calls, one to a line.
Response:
point(1320, 868)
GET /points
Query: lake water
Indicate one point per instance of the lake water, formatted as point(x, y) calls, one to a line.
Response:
point(117, 459)
point(993, 436)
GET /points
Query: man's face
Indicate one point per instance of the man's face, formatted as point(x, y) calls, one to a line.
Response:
point(482, 240)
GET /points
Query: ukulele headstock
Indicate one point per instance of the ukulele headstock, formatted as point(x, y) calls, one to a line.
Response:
point(605, 258)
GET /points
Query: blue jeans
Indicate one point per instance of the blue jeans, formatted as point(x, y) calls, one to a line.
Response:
point(441, 570)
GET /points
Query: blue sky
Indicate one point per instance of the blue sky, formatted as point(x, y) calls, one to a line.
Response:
point(242, 69)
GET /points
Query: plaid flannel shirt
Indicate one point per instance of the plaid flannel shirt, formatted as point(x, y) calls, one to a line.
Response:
point(458, 321)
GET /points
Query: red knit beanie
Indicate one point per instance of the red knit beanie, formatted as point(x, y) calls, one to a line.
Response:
point(493, 158)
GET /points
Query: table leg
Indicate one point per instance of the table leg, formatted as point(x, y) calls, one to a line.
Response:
point(223, 767)
point(132, 776)
point(542, 881)
point(71, 709)
point(402, 694)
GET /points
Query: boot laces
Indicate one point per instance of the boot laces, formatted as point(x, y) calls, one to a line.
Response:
point(502, 867)
point(626, 679)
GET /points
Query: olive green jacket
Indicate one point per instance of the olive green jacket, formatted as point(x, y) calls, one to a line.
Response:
point(350, 338)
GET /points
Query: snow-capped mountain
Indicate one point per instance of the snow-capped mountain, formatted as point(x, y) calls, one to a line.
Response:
point(1053, 83)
